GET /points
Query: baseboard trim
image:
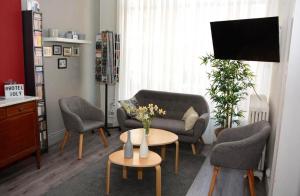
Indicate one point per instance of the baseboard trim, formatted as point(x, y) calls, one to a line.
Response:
point(55, 136)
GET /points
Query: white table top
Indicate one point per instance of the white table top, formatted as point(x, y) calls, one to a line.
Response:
point(12, 101)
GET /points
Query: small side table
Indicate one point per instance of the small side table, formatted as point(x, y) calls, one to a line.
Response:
point(153, 160)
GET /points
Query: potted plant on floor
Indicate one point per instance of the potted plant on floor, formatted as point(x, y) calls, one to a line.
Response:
point(229, 84)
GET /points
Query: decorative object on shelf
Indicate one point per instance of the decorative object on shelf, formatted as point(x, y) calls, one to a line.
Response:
point(128, 147)
point(144, 150)
point(47, 51)
point(62, 63)
point(107, 63)
point(81, 36)
point(14, 90)
point(67, 51)
point(53, 32)
point(230, 80)
point(145, 114)
point(57, 49)
point(33, 68)
point(75, 51)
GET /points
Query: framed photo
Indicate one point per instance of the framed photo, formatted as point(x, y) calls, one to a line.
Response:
point(57, 49)
point(75, 51)
point(47, 51)
point(62, 63)
point(67, 51)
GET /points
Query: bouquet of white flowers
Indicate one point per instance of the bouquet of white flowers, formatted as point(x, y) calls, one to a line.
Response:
point(145, 114)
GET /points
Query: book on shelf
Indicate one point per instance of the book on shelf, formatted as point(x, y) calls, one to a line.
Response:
point(37, 39)
point(39, 92)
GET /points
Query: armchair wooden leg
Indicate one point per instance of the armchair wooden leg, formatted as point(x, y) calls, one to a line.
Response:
point(251, 182)
point(216, 171)
point(80, 146)
point(102, 137)
point(64, 141)
point(194, 149)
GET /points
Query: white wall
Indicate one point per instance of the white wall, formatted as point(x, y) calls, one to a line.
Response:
point(108, 20)
point(78, 78)
point(279, 72)
point(286, 170)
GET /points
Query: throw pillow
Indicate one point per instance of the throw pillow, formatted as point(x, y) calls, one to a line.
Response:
point(129, 106)
point(190, 117)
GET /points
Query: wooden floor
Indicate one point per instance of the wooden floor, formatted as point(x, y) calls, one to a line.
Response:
point(23, 178)
point(230, 182)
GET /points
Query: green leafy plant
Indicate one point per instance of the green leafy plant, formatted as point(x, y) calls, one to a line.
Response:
point(229, 82)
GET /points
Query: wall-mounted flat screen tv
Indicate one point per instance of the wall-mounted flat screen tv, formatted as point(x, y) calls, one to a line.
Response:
point(247, 39)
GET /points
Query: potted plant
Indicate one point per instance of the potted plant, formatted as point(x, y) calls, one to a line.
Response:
point(229, 83)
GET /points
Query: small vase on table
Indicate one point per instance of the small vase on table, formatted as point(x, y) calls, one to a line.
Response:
point(128, 147)
point(144, 147)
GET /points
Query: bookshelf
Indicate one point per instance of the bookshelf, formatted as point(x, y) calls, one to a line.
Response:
point(107, 64)
point(34, 69)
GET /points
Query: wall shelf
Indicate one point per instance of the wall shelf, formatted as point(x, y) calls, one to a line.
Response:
point(65, 40)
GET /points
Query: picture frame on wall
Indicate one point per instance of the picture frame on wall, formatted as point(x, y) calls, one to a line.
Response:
point(75, 51)
point(57, 49)
point(47, 51)
point(62, 63)
point(67, 51)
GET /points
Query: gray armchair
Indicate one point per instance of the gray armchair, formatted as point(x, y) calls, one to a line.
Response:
point(240, 148)
point(80, 116)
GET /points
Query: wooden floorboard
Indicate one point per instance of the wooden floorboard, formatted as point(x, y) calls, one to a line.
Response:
point(230, 182)
point(23, 179)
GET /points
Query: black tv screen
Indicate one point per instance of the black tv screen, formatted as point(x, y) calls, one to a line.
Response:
point(248, 39)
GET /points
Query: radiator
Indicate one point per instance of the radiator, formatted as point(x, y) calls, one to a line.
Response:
point(259, 110)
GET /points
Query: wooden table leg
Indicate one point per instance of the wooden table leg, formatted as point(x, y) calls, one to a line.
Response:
point(140, 173)
point(80, 146)
point(177, 157)
point(163, 152)
point(158, 180)
point(125, 172)
point(108, 176)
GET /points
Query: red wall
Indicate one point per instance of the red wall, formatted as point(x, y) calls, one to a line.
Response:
point(11, 43)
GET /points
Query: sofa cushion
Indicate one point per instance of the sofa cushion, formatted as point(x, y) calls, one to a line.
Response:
point(175, 126)
point(129, 106)
point(190, 117)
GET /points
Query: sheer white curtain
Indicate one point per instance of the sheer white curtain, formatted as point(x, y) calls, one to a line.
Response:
point(162, 40)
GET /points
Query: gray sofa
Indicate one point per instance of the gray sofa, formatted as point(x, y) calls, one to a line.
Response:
point(176, 105)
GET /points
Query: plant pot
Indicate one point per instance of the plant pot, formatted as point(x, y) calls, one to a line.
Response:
point(218, 131)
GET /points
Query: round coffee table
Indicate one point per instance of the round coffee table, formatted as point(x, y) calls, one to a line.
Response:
point(156, 137)
point(153, 160)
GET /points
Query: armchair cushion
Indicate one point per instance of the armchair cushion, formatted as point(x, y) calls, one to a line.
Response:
point(91, 124)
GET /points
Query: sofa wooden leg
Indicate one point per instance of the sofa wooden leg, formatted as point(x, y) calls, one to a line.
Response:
point(213, 180)
point(80, 146)
point(194, 149)
point(251, 182)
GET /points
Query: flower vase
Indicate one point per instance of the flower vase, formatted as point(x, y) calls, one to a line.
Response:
point(144, 147)
point(146, 125)
point(128, 147)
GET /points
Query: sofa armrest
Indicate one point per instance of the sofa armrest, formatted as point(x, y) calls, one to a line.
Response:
point(122, 116)
point(200, 125)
